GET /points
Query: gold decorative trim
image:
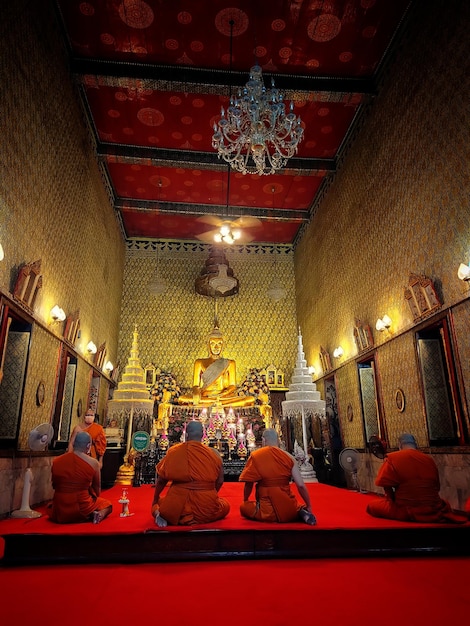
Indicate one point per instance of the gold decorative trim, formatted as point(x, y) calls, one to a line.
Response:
point(400, 400)
point(40, 393)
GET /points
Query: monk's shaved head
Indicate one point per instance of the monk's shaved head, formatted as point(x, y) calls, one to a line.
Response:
point(406, 439)
point(270, 437)
point(82, 441)
point(194, 431)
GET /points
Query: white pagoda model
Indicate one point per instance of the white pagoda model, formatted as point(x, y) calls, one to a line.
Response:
point(303, 400)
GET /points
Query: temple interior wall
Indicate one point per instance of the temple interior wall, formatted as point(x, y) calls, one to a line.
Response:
point(398, 205)
point(53, 207)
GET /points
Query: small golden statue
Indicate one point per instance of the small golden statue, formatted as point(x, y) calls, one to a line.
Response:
point(164, 411)
point(265, 409)
point(125, 475)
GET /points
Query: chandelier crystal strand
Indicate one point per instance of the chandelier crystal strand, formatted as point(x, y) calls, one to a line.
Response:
point(256, 125)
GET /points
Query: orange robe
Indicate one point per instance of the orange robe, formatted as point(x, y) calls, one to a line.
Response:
point(193, 470)
point(74, 497)
point(415, 479)
point(98, 440)
point(271, 469)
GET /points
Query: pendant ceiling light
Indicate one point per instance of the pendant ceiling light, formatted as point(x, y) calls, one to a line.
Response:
point(255, 135)
point(276, 290)
point(156, 285)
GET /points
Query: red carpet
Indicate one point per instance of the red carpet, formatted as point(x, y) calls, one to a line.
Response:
point(333, 507)
point(357, 592)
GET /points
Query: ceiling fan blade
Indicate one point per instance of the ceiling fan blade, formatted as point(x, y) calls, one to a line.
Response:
point(207, 237)
point(213, 220)
point(246, 221)
point(245, 238)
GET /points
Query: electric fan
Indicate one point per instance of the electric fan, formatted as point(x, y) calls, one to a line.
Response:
point(349, 459)
point(38, 439)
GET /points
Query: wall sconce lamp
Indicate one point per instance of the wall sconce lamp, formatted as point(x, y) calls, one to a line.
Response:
point(57, 314)
point(92, 349)
point(464, 272)
point(383, 324)
point(338, 352)
point(2, 254)
point(108, 366)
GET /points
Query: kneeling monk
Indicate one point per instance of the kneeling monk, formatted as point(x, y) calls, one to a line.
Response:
point(76, 480)
point(272, 469)
point(410, 480)
point(196, 474)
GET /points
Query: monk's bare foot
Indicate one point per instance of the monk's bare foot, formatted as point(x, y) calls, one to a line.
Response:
point(160, 521)
point(308, 518)
point(98, 516)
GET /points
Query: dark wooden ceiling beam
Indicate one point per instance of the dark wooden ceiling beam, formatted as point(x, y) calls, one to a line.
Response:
point(213, 78)
point(182, 208)
point(205, 160)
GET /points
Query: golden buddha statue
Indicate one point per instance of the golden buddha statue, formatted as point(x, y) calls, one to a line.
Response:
point(214, 378)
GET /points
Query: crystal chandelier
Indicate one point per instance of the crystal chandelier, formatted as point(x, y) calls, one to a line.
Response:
point(255, 135)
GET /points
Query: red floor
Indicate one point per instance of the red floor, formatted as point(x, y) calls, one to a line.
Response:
point(333, 507)
point(354, 592)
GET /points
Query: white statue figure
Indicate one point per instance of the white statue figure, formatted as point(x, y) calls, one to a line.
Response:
point(306, 468)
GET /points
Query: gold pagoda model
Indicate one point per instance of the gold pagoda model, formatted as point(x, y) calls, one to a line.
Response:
point(131, 405)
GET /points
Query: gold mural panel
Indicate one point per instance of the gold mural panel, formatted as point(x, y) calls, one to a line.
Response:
point(397, 369)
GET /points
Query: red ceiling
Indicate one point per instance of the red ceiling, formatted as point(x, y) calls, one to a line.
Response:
point(154, 74)
point(184, 121)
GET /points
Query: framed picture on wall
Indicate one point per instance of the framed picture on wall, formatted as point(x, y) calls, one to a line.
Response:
point(271, 376)
point(150, 375)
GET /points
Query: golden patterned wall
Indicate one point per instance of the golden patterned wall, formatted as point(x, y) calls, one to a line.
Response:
point(53, 204)
point(173, 327)
point(399, 204)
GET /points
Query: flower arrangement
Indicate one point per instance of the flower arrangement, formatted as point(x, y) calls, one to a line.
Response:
point(255, 385)
point(176, 426)
point(165, 381)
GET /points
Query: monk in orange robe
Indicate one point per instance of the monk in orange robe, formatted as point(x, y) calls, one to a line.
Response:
point(411, 483)
point(272, 469)
point(97, 434)
point(196, 474)
point(77, 483)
